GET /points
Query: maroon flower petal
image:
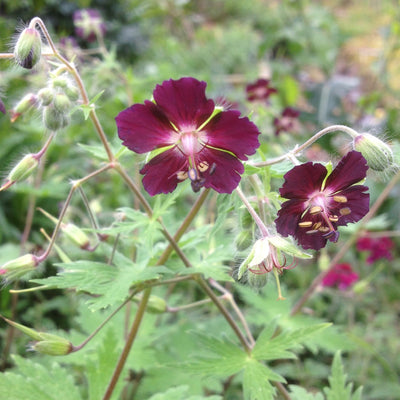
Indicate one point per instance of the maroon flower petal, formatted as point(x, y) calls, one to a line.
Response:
point(303, 180)
point(289, 216)
point(161, 172)
point(230, 132)
point(223, 174)
point(351, 169)
point(184, 102)
point(144, 127)
point(315, 241)
point(357, 203)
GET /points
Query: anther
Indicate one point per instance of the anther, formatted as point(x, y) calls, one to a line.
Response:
point(305, 224)
point(203, 166)
point(181, 175)
point(345, 211)
point(333, 218)
point(315, 210)
point(340, 199)
point(316, 226)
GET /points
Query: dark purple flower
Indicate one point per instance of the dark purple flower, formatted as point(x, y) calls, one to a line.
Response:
point(198, 141)
point(89, 24)
point(318, 203)
point(379, 248)
point(2, 107)
point(341, 275)
point(287, 121)
point(259, 90)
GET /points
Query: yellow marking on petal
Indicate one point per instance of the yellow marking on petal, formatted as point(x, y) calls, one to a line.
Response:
point(305, 224)
point(340, 199)
point(203, 166)
point(334, 218)
point(181, 175)
point(345, 211)
point(315, 210)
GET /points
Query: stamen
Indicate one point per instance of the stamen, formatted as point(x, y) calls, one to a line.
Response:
point(315, 210)
point(334, 218)
point(181, 175)
point(213, 168)
point(345, 211)
point(311, 232)
point(324, 229)
point(192, 174)
point(340, 199)
point(203, 166)
point(305, 224)
point(317, 226)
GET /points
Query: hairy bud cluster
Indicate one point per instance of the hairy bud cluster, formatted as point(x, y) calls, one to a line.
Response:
point(57, 100)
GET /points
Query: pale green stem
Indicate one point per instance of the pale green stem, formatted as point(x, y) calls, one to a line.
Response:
point(309, 142)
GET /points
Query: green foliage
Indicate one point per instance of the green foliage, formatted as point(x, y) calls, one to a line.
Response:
point(32, 381)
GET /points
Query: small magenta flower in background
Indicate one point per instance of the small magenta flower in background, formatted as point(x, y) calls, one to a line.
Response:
point(259, 90)
point(2, 107)
point(89, 25)
point(318, 203)
point(287, 122)
point(380, 247)
point(341, 276)
point(198, 140)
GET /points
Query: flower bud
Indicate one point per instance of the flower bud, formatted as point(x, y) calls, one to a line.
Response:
point(256, 281)
point(58, 347)
point(18, 267)
point(76, 234)
point(243, 240)
point(46, 96)
point(53, 119)
point(25, 104)
point(28, 49)
point(61, 103)
point(72, 92)
point(23, 169)
point(155, 305)
point(378, 154)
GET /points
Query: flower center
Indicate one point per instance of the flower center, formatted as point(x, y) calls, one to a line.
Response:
point(319, 218)
point(190, 144)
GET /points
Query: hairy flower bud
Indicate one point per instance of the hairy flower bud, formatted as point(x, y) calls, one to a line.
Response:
point(378, 154)
point(46, 96)
point(28, 49)
point(29, 101)
point(23, 169)
point(54, 119)
point(61, 103)
point(18, 267)
point(256, 281)
point(53, 347)
point(46, 343)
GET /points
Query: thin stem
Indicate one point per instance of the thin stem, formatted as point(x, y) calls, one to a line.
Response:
point(224, 312)
point(228, 295)
point(100, 327)
point(188, 306)
point(309, 142)
point(255, 216)
point(346, 246)
point(128, 344)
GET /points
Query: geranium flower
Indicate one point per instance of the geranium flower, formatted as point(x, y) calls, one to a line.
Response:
point(89, 24)
point(378, 247)
point(319, 203)
point(287, 121)
point(198, 141)
point(341, 275)
point(259, 90)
